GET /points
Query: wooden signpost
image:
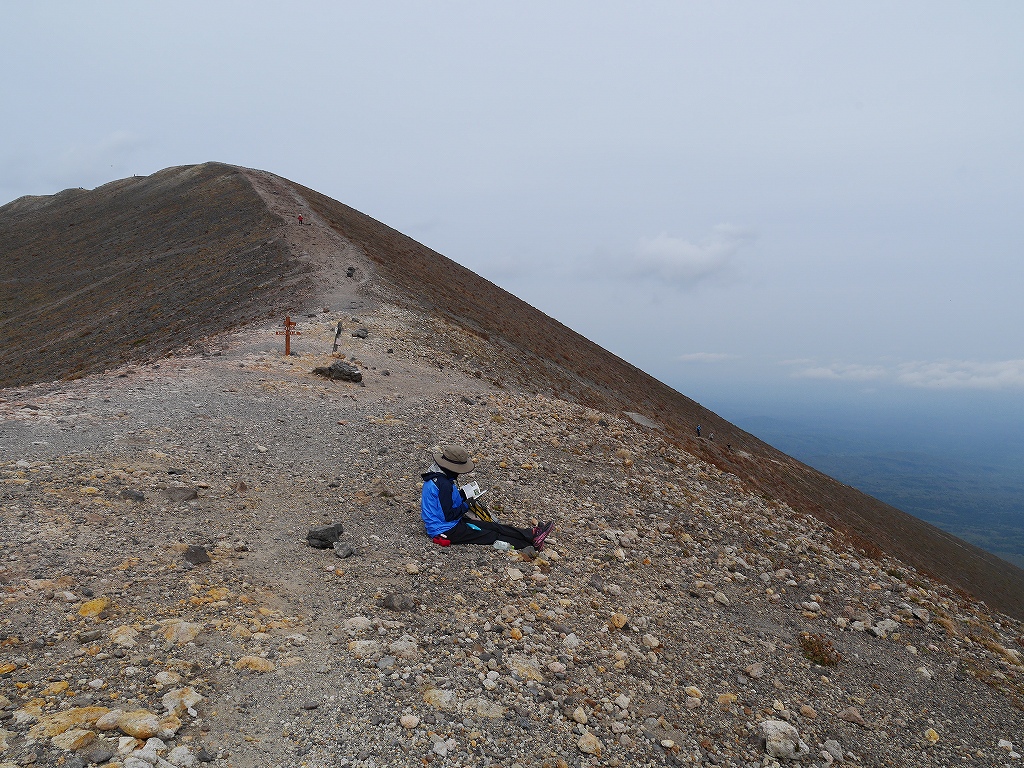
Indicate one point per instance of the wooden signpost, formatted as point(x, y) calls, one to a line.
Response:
point(289, 324)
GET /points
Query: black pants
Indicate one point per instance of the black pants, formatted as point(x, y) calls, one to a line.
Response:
point(488, 533)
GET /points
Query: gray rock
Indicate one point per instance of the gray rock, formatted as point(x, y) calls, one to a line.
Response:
point(360, 333)
point(340, 371)
point(399, 602)
point(196, 554)
point(343, 550)
point(884, 627)
point(132, 495)
point(324, 536)
point(99, 751)
point(833, 748)
point(181, 494)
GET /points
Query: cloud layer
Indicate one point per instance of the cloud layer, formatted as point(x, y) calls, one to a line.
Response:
point(706, 357)
point(682, 263)
point(941, 374)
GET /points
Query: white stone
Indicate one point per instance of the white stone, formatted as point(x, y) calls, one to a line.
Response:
point(357, 624)
point(181, 757)
point(405, 648)
point(782, 740)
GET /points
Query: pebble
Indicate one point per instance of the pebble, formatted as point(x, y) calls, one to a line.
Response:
point(589, 744)
point(853, 715)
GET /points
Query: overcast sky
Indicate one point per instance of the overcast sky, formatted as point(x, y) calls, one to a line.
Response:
point(819, 199)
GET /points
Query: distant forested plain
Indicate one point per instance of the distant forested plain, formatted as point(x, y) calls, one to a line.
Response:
point(969, 483)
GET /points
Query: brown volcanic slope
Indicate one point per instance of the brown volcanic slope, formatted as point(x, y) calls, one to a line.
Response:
point(191, 251)
point(134, 269)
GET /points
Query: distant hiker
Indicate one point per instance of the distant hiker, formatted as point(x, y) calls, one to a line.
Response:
point(300, 218)
point(711, 437)
point(337, 335)
point(698, 430)
point(443, 508)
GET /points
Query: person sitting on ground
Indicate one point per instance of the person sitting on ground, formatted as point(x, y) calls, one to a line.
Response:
point(443, 508)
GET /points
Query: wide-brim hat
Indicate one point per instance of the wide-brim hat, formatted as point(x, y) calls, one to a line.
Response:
point(454, 458)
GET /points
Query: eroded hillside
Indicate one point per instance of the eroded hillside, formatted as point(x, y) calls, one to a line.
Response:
point(136, 268)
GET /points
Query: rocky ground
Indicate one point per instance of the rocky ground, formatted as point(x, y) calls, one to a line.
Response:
point(160, 604)
point(675, 618)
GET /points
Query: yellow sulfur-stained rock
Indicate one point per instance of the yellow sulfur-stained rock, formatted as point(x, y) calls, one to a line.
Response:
point(181, 700)
point(166, 677)
point(726, 700)
point(932, 735)
point(54, 688)
point(128, 744)
point(439, 698)
point(142, 724)
point(526, 668)
point(94, 607)
point(170, 724)
point(254, 664)
point(484, 708)
point(74, 739)
point(59, 722)
point(618, 620)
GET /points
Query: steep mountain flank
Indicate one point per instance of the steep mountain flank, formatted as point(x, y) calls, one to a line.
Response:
point(136, 268)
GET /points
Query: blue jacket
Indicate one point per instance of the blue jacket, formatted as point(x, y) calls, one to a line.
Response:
point(441, 505)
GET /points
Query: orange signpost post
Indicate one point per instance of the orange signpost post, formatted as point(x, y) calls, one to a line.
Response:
point(289, 324)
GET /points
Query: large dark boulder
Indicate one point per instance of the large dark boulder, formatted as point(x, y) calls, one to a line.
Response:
point(324, 536)
point(340, 371)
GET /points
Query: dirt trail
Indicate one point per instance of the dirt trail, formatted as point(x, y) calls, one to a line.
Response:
point(315, 242)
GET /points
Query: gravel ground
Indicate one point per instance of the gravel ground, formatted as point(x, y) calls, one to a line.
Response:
point(662, 625)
